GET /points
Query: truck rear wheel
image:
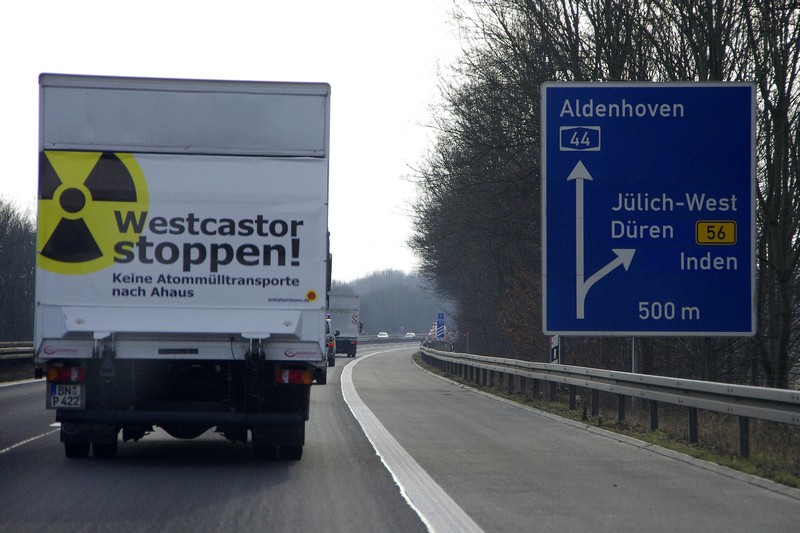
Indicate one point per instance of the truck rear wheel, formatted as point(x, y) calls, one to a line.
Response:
point(76, 450)
point(291, 453)
point(104, 450)
point(265, 452)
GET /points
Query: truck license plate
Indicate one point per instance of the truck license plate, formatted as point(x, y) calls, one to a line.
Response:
point(65, 396)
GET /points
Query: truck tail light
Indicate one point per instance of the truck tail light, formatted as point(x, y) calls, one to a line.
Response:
point(66, 374)
point(331, 344)
point(293, 376)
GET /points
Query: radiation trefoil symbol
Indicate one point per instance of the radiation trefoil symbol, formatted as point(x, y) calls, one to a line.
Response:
point(82, 198)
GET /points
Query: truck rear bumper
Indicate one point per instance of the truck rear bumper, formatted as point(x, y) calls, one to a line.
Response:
point(346, 345)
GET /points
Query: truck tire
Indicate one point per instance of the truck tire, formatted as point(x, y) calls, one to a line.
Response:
point(265, 452)
point(76, 450)
point(104, 450)
point(292, 453)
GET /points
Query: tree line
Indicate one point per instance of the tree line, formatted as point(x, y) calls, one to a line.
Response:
point(17, 257)
point(395, 302)
point(477, 215)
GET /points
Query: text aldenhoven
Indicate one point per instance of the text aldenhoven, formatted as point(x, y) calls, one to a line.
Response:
point(622, 109)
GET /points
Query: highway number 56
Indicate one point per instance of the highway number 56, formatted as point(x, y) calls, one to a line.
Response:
point(715, 232)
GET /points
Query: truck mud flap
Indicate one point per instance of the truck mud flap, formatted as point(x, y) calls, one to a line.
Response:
point(103, 433)
point(279, 435)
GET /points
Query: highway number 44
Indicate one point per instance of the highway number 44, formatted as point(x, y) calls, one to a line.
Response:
point(579, 138)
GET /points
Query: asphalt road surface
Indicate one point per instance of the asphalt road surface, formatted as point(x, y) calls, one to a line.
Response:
point(388, 448)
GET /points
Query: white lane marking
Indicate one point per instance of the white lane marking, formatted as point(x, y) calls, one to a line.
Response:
point(435, 507)
point(27, 441)
point(25, 382)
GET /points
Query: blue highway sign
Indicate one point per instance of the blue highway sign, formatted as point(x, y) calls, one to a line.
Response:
point(648, 209)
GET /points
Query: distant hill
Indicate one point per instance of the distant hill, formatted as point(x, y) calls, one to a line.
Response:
point(395, 302)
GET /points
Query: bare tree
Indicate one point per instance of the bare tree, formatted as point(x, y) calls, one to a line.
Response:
point(489, 141)
point(17, 252)
point(773, 39)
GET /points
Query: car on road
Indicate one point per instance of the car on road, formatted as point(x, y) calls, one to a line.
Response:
point(411, 335)
point(330, 342)
point(383, 335)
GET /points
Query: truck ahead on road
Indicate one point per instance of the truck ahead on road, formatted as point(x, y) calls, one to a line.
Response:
point(181, 266)
point(343, 312)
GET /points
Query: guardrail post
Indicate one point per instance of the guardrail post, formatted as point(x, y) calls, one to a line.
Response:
point(744, 436)
point(653, 415)
point(491, 378)
point(522, 384)
point(620, 408)
point(553, 389)
point(536, 388)
point(510, 378)
point(693, 430)
point(572, 397)
point(595, 402)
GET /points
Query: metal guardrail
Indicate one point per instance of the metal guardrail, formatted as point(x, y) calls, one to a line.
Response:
point(22, 350)
point(16, 350)
point(744, 401)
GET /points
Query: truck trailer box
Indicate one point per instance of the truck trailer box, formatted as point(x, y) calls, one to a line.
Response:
point(181, 265)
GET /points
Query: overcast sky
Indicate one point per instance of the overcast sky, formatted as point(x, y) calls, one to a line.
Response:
point(381, 59)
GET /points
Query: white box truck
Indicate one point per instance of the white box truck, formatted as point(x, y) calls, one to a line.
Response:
point(343, 312)
point(181, 267)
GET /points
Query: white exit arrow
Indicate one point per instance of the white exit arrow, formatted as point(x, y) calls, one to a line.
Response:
point(624, 255)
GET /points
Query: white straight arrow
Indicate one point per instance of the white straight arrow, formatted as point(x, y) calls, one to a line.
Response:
point(624, 255)
point(579, 174)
